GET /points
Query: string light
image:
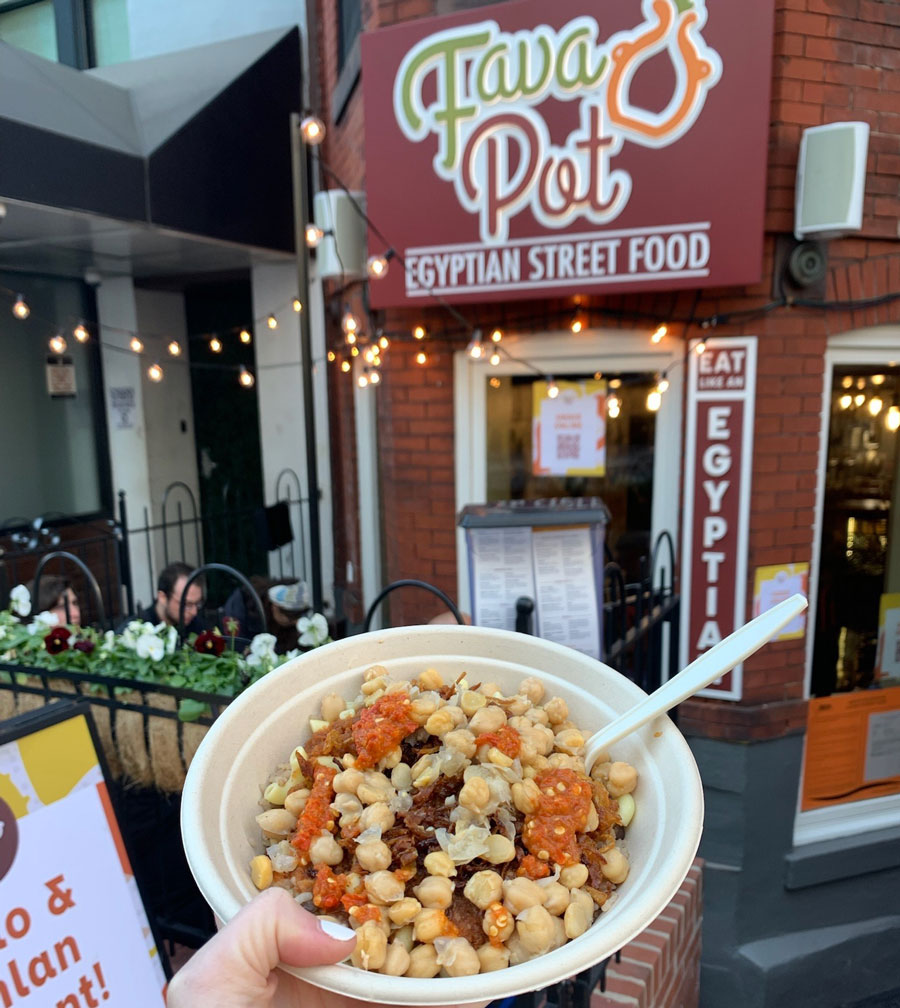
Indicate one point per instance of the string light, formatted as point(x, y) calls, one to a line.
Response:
point(654, 400)
point(377, 265)
point(374, 377)
point(845, 401)
point(859, 399)
point(658, 333)
point(349, 322)
point(155, 373)
point(615, 383)
point(58, 344)
point(351, 338)
point(244, 336)
point(215, 344)
point(877, 379)
point(272, 322)
point(699, 347)
point(345, 366)
point(369, 355)
point(246, 378)
point(174, 348)
point(362, 380)
point(312, 129)
point(892, 418)
point(662, 385)
point(495, 358)
point(20, 309)
point(847, 381)
point(475, 349)
point(354, 350)
point(332, 356)
point(136, 345)
point(421, 357)
point(80, 333)
point(577, 323)
point(495, 382)
point(419, 332)
point(613, 406)
point(384, 342)
point(552, 388)
point(496, 336)
point(875, 404)
point(297, 305)
point(314, 235)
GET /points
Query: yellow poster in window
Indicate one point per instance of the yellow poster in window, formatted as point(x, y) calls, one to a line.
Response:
point(568, 435)
point(887, 661)
point(774, 584)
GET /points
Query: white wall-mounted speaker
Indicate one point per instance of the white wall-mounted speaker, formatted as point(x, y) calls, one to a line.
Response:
point(342, 252)
point(831, 180)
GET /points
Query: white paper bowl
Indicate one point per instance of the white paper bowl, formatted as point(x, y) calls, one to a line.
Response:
point(258, 730)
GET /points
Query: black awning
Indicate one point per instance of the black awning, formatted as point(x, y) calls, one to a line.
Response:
point(195, 141)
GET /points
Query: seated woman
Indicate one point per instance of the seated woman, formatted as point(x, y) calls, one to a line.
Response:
point(56, 595)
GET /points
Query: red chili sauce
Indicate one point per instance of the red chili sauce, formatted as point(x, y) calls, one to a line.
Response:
point(317, 813)
point(565, 801)
point(379, 729)
point(531, 868)
point(506, 739)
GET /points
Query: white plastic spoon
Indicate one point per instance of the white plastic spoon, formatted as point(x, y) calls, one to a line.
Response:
point(701, 672)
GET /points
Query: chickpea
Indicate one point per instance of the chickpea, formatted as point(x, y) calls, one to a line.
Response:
point(401, 777)
point(347, 781)
point(517, 951)
point(533, 688)
point(569, 740)
point(379, 815)
point(593, 819)
point(404, 936)
point(556, 898)
point(579, 914)
point(500, 849)
point(392, 759)
point(429, 923)
point(574, 876)
point(489, 689)
point(537, 715)
point(371, 947)
point(526, 795)
point(557, 710)
point(261, 871)
point(492, 957)
point(439, 863)
point(373, 672)
point(435, 891)
point(348, 807)
point(423, 962)
point(470, 701)
point(626, 809)
point(425, 770)
point(622, 779)
point(325, 850)
point(373, 685)
point(396, 960)
point(430, 679)
point(332, 705)
point(295, 801)
point(535, 929)
point(460, 740)
point(383, 887)
point(616, 867)
point(498, 923)
point(375, 787)
point(498, 758)
point(484, 888)
point(461, 958)
point(442, 721)
point(487, 719)
point(475, 794)
point(373, 856)
point(276, 822)
point(520, 893)
point(403, 911)
point(423, 706)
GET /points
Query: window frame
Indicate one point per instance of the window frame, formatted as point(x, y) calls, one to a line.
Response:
point(74, 31)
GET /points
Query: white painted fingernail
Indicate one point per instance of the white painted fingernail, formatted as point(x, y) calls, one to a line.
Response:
point(334, 930)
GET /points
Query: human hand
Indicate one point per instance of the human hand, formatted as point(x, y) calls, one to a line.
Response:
point(237, 968)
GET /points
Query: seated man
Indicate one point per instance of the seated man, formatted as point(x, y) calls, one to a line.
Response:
point(169, 589)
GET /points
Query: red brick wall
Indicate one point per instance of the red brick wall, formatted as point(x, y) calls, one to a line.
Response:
point(831, 61)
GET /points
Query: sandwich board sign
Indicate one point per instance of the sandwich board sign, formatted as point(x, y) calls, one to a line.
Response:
point(73, 929)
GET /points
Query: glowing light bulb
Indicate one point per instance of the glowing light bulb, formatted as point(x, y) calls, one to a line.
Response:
point(658, 333)
point(847, 381)
point(475, 348)
point(58, 344)
point(272, 322)
point(297, 305)
point(495, 358)
point(80, 333)
point(615, 383)
point(136, 344)
point(419, 332)
point(377, 266)
point(662, 385)
point(314, 235)
point(368, 355)
point(246, 378)
point(155, 373)
point(552, 389)
point(577, 325)
point(354, 350)
point(384, 342)
point(345, 366)
point(495, 382)
point(877, 379)
point(875, 405)
point(20, 309)
point(859, 399)
point(496, 336)
point(332, 356)
point(654, 400)
point(215, 344)
point(700, 347)
point(892, 418)
point(362, 380)
point(613, 405)
point(845, 401)
point(351, 338)
point(374, 378)
point(421, 357)
point(349, 323)
point(244, 336)
point(312, 129)
point(860, 383)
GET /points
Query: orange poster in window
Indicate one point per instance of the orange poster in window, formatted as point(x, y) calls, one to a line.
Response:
point(852, 748)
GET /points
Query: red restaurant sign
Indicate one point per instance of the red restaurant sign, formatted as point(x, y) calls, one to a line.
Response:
point(721, 397)
point(532, 149)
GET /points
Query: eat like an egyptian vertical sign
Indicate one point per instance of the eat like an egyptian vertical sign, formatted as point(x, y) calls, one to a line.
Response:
point(721, 395)
point(536, 149)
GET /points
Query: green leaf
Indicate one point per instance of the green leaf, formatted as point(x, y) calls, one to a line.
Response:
point(190, 710)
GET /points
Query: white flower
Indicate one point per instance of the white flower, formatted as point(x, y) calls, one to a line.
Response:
point(171, 639)
point(20, 601)
point(150, 646)
point(263, 644)
point(313, 630)
point(43, 621)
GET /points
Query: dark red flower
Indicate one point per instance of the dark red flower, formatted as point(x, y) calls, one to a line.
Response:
point(85, 646)
point(209, 642)
point(232, 626)
point(57, 640)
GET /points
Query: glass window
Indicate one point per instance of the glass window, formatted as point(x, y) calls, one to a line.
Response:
point(109, 24)
point(53, 450)
point(349, 26)
point(860, 547)
point(31, 27)
point(627, 486)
